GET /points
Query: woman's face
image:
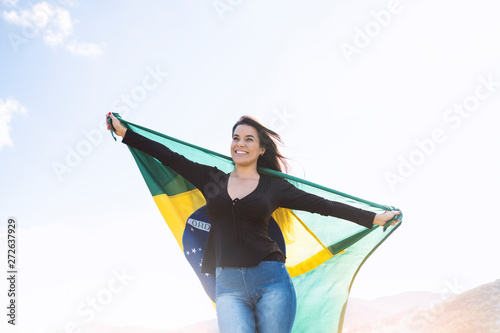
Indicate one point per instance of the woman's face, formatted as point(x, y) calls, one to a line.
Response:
point(245, 147)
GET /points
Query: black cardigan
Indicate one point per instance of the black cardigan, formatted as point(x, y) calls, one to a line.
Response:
point(238, 235)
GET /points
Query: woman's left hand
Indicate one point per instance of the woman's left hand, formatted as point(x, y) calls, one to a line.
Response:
point(382, 218)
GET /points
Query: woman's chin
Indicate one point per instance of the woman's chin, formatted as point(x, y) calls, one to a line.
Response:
point(242, 160)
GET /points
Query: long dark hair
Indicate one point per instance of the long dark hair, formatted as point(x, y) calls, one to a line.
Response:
point(272, 158)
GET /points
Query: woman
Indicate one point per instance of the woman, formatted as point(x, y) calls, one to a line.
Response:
point(253, 289)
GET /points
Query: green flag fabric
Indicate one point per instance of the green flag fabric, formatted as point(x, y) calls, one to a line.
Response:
point(324, 253)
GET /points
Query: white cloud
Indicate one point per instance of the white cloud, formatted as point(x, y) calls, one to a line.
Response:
point(60, 28)
point(54, 24)
point(8, 2)
point(85, 49)
point(7, 108)
point(37, 17)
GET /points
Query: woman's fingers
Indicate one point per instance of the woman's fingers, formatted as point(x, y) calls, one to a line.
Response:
point(108, 126)
point(385, 217)
point(113, 121)
point(395, 213)
point(118, 128)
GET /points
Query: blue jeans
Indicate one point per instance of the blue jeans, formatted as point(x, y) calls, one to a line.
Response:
point(255, 299)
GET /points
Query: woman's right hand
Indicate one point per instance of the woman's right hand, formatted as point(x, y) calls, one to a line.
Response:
point(119, 128)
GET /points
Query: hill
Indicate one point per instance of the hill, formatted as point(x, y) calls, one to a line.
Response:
point(474, 311)
point(361, 312)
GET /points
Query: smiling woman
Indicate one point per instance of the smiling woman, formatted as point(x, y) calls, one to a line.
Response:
point(254, 291)
point(246, 152)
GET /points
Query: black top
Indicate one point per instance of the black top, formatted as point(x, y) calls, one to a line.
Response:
point(238, 235)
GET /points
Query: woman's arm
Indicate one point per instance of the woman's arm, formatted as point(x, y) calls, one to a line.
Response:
point(294, 198)
point(197, 174)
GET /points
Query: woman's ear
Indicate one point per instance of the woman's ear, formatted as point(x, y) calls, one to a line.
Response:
point(262, 151)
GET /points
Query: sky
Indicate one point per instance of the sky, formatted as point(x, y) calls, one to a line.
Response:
point(392, 101)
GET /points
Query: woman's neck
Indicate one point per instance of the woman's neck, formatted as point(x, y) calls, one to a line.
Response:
point(245, 172)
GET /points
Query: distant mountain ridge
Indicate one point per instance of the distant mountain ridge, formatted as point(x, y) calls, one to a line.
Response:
point(474, 311)
point(360, 312)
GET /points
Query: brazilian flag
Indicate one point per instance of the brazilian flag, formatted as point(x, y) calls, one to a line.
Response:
point(324, 253)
